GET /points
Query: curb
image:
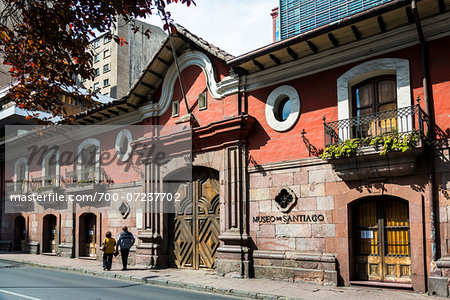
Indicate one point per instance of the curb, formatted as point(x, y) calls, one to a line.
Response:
point(158, 282)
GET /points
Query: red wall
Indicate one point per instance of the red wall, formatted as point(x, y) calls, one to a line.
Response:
point(318, 97)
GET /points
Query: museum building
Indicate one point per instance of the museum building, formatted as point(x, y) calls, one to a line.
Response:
point(320, 158)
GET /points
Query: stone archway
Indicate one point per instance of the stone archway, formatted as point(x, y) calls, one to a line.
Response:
point(20, 233)
point(49, 234)
point(87, 235)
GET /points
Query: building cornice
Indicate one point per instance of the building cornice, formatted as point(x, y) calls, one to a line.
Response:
point(390, 41)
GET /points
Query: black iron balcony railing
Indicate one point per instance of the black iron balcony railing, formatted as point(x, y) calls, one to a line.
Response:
point(86, 176)
point(44, 183)
point(399, 121)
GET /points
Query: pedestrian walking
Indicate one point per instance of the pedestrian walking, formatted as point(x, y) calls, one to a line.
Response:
point(125, 242)
point(108, 250)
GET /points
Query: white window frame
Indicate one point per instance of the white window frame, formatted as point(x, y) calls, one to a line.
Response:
point(123, 133)
point(44, 165)
point(86, 143)
point(369, 69)
point(106, 53)
point(205, 94)
point(22, 160)
point(107, 70)
point(274, 99)
point(175, 107)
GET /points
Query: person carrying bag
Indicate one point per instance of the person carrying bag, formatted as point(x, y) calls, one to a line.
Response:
point(108, 251)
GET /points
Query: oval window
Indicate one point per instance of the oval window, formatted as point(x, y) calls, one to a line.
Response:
point(123, 148)
point(283, 109)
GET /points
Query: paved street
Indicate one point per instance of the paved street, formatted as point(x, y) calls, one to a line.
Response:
point(19, 282)
point(27, 274)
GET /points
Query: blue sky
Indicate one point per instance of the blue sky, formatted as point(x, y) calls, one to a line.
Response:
point(236, 26)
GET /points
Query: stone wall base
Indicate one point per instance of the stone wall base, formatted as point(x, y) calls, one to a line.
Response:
point(312, 268)
point(33, 247)
point(5, 245)
point(229, 268)
point(439, 279)
point(322, 277)
point(65, 250)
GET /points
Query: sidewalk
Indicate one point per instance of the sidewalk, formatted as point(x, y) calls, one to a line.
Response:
point(208, 281)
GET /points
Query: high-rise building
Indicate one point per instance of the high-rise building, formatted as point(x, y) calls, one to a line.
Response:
point(118, 66)
point(298, 16)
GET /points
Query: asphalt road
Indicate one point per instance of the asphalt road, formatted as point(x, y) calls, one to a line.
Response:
point(20, 282)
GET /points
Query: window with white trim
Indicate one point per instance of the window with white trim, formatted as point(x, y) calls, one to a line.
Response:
point(122, 145)
point(175, 108)
point(50, 168)
point(283, 108)
point(21, 175)
point(88, 169)
point(106, 68)
point(202, 101)
point(395, 68)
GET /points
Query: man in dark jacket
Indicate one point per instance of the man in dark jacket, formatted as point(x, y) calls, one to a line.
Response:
point(125, 241)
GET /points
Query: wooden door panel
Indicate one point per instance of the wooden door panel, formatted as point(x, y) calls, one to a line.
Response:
point(195, 232)
point(183, 242)
point(382, 240)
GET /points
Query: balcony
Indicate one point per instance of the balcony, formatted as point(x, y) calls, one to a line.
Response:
point(378, 145)
point(44, 184)
point(86, 179)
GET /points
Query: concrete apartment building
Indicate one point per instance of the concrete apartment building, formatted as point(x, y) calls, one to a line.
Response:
point(118, 66)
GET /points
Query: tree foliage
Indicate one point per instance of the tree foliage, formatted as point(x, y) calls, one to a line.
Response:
point(46, 44)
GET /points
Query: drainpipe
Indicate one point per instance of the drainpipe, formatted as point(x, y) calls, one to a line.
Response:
point(429, 109)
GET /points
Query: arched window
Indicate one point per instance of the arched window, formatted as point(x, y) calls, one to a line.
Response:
point(375, 95)
point(379, 83)
point(50, 168)
point(21, 175)
point(88, 169)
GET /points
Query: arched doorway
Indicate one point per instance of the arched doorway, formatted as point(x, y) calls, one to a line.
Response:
point(195, 227)
point(87, 235)
point(20, 233)
point(49, 234)
point(382, 240)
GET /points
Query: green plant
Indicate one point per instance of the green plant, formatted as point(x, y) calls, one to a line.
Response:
point(389, 142)
point(346, 149)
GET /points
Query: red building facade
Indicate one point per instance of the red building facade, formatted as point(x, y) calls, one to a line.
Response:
point(265, 202)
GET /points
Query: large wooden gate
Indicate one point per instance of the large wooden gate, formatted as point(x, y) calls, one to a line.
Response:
point(195, 228)
point(382, 240)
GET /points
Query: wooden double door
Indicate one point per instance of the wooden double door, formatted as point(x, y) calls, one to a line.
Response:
point(382, 241)
point(195, 226)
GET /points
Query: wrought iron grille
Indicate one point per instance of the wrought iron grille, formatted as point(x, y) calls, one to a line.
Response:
point(44, 182)
point(398, 121)
point(87, 176)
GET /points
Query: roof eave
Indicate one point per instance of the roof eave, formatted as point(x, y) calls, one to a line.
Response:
point(317, 32)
